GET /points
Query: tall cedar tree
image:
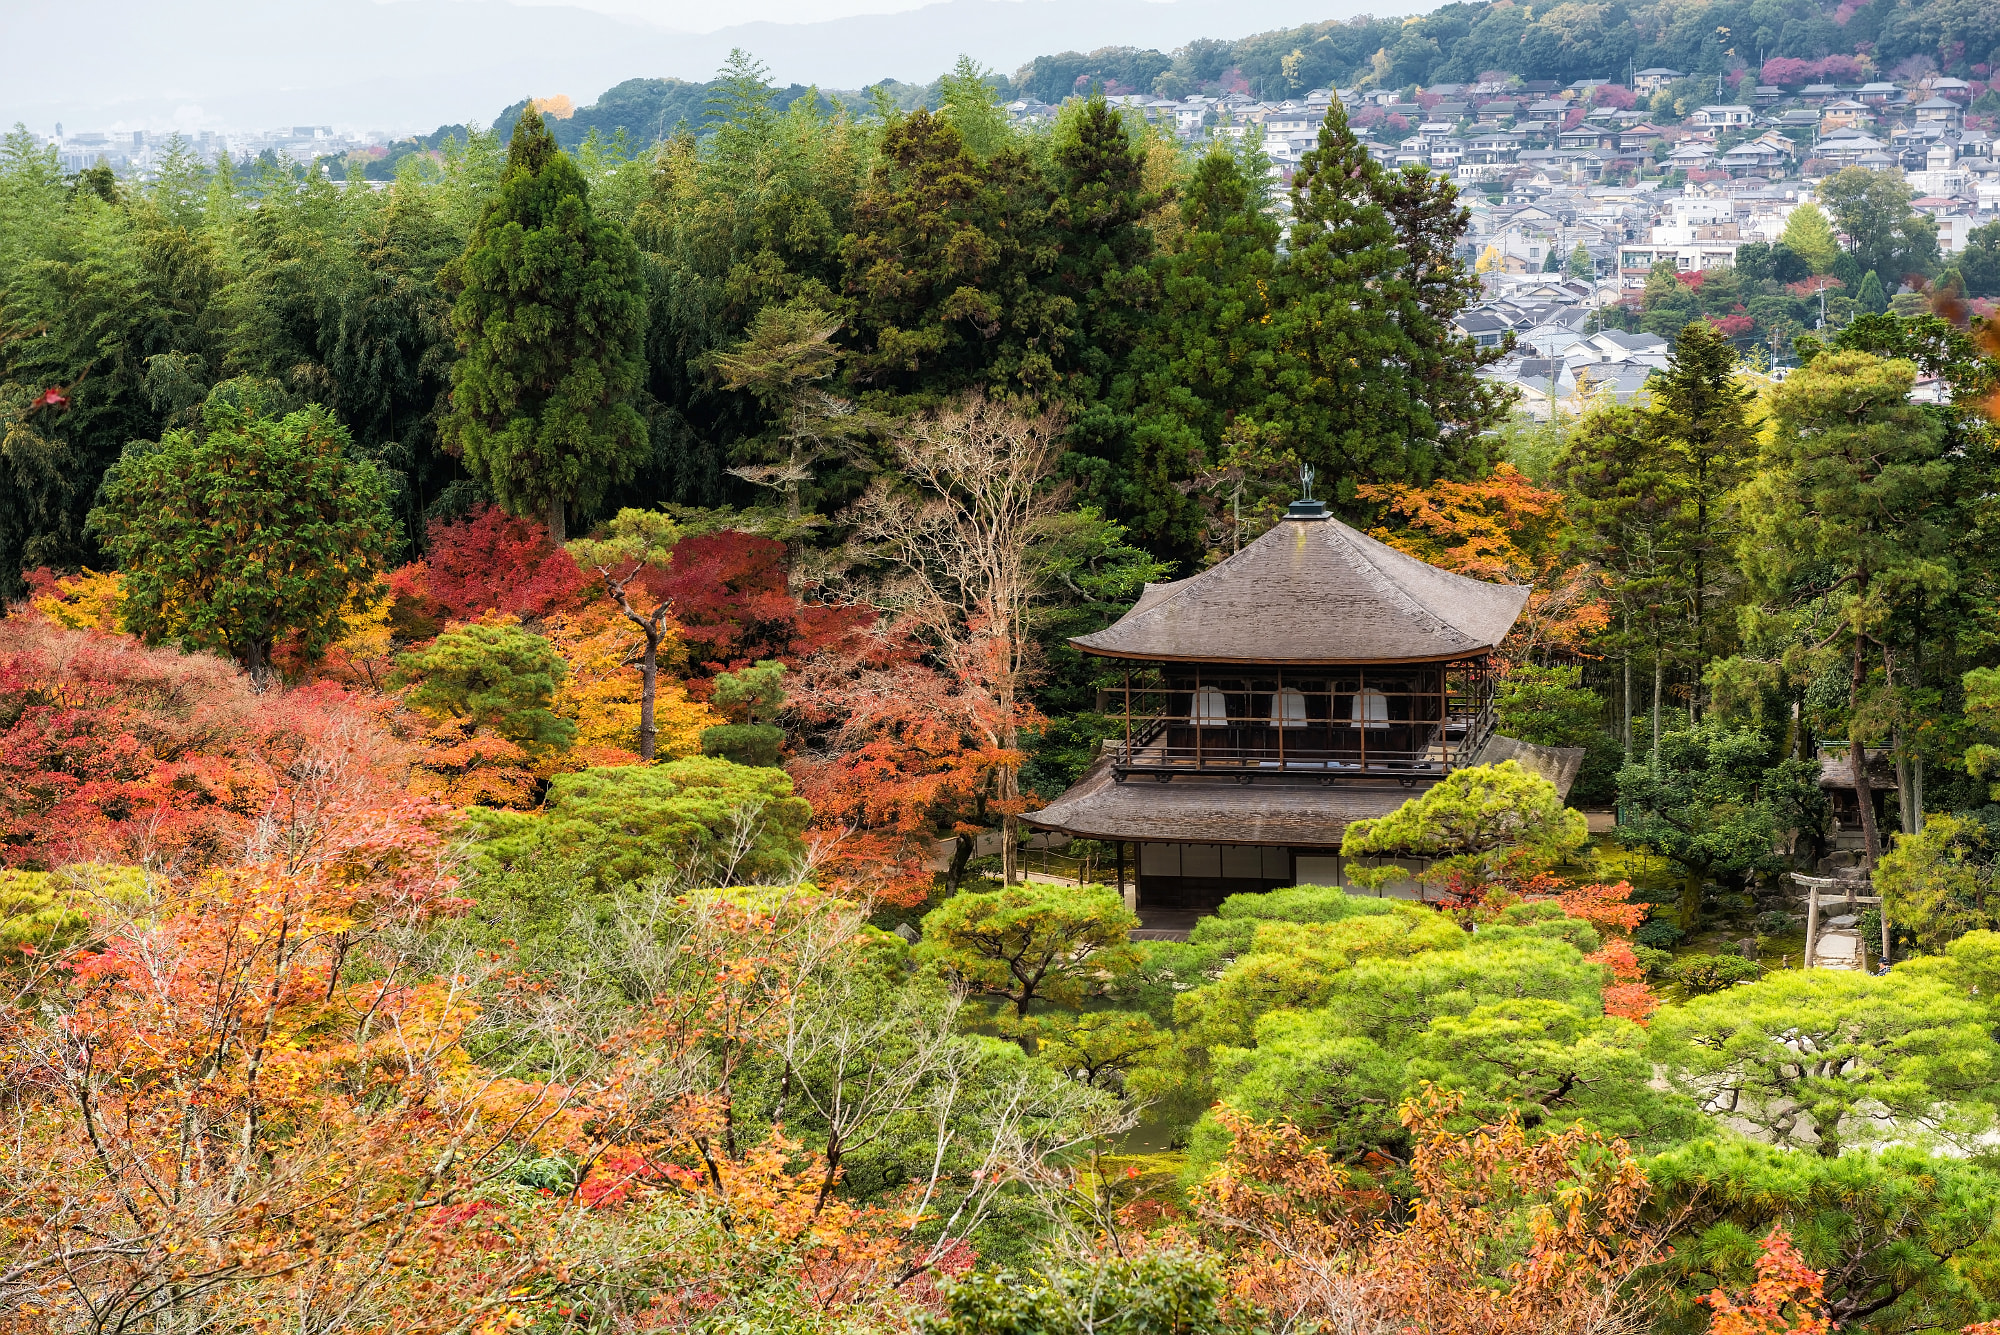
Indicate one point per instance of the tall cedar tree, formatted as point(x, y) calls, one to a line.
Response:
point(1101, 269)
point(1376, 386)
point(551, 323)
point(1623, 506)
point(1705, 448)
point(1854, 510)
point(1435, 288)
point(919, 263)
point(1204, 358)
point(255, 529)
point(948, 272)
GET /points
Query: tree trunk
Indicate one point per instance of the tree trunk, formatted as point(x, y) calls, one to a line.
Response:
point(1871, 846)
point(1010, 788)
point(1628, 689)
point(649, 678)
point(1655, 759)
point(558, 534)
point(1917, 791)
point(1010, 738)
point(255, 655)
point(1905, 821)
point(961, 854)
point(1917, 759)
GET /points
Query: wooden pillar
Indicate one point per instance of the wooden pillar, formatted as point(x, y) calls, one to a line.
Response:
point(1860, 941)
point(1120, 846)
point(1812, 921)
point(1199, 711)
point(1358, 716)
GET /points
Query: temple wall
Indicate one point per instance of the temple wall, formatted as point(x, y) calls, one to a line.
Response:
point(1182, 880)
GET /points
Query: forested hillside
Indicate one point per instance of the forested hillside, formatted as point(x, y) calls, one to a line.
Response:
point(1459, 43)
point(525, 688)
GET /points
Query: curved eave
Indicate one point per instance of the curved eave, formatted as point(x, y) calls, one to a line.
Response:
point(1460, 656)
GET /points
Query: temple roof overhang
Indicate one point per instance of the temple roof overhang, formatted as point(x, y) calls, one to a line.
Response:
point(1142, 811)
point(1314, 592)
point(1305, 814)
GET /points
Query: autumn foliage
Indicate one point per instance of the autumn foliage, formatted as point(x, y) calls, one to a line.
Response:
point(1505, 530)
point(734, 607)
point(488, 562)
point(113, 752)
point(1785, 1300)
point(1505, 1234)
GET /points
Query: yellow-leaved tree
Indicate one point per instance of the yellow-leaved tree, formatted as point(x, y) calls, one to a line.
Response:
point(601, 692)
point(83, 601)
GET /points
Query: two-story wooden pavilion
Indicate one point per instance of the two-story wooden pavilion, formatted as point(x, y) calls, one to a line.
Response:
point(1314, 678)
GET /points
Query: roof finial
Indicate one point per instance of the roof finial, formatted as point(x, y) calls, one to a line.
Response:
point(1306, 507)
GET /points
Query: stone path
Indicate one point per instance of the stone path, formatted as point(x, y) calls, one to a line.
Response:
point(1839, 943)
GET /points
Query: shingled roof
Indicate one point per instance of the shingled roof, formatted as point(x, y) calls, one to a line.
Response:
point(1099, 807)
point(1313, 591)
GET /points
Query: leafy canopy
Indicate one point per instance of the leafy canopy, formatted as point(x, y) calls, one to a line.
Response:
point(692, 822)
point(495, 674)
point(1031, 943)
point(1476, 821)
point(1830, 1059)
point(245, 531)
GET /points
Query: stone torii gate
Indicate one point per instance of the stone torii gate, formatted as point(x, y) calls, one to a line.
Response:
point(1822, 889)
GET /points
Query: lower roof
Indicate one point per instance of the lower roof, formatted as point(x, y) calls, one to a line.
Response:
point(1144, 810)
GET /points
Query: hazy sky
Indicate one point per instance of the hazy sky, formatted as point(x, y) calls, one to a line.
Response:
point(698, 16)
point(399, 66)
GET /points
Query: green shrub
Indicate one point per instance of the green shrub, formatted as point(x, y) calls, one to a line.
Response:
point(1698, 975)
point(1654, 962)
point(1658, 933)
point(703, 820)
point(1235, 922)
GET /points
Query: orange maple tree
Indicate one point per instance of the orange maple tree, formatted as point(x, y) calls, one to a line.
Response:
point(1507, 530)
point(1504, 1234)
point(1785, 1300)
point(899, 754)
point(114, 752)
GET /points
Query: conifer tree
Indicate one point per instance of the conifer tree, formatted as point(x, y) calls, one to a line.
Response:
point(1853, 507)
point(550, 320)
point(1361, 298)
point(1204, 359)
point(1871, 297)
point(1700, 425)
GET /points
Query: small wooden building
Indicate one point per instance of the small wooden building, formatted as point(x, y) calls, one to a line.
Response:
point(1314, 678)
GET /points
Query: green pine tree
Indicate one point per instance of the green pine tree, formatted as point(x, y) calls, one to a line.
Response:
point(1871, 297)
point(1203, 360)
point(550, 318)
point(1701, 430)
point(1358, 324)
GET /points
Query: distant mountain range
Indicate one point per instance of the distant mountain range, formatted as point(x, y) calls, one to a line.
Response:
point(410, 65)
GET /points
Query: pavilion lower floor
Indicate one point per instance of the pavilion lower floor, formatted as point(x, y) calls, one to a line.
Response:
point(1172, 885)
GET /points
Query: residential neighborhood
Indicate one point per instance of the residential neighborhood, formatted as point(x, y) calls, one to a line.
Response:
point(1579, 192)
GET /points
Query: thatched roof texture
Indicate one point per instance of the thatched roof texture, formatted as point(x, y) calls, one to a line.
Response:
point(1313, 591)
point(1140, 809)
